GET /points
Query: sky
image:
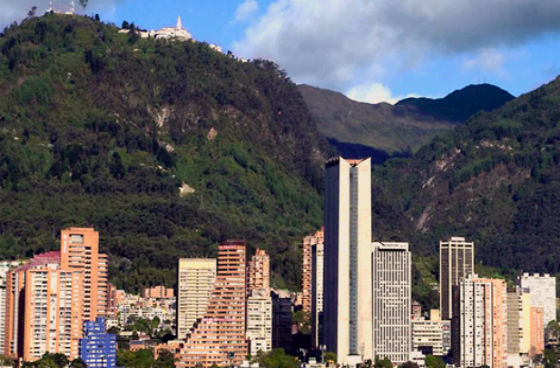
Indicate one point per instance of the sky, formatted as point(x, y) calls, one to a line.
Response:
point(370, 50)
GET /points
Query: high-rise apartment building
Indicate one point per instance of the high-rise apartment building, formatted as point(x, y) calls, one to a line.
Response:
point(456, 261)
point(195, 282)
point(44, 305)
point(258, 272)
point(317, 281)
point(309, 243)
point(537, 331)
point(347, 315)
point(479, 322)
point(219, 337)
point(518, 322)
point(98, 349)
point(259, 321)
point(391, 298)
point(542, 289)
point(5, 266)
point(431, 336)
point(79, 251)
point(312, 282)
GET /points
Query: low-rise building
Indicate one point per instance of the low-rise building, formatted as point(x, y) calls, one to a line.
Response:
point(431, 336)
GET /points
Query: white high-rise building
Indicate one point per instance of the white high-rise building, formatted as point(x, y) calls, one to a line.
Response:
point(5, 266)
point(317, 280)
point(542, 290)
point(259, 321)
point(480, 322)
point(347, 277)
point(391, 301)
point(196, 277)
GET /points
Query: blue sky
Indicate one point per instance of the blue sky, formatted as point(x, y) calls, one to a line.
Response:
point(370, 50)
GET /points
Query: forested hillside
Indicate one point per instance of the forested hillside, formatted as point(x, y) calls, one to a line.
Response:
point(495, 180)
point(165, 147)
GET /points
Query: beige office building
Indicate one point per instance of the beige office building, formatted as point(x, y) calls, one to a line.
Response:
point(196, 277)
point(432, 336)
point(347, 277)
point(391, 299)
point(259, 321)
point(456, 260)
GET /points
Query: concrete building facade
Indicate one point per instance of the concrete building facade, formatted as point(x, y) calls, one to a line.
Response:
point(391, 299)
point(309, 242)
point(456, 261)
point(431, 336)
point(259, 321)
point(542, 289)
point(5, 266)
point(479, 334)
point(195, 282)
point(158, 292)
point(347, 277)
point(79, 251)
point(219, 337)
point(317, 294)
point(258, 271)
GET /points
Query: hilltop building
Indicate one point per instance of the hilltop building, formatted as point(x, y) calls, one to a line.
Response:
point(195, 282)
point(158, 292)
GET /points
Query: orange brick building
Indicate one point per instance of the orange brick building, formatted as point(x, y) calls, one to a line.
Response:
point(219, 337)
point(309, 242)
point(158, 292)
point(258, 274)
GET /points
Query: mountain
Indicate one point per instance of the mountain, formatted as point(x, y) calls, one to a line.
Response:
point(495, 179)
point(399, 128)
point(165, 147)
point(459, 105)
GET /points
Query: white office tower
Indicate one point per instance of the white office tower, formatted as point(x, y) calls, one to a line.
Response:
point(543, 293)
point(347, 305)
point(318, 253)
point(391, 301)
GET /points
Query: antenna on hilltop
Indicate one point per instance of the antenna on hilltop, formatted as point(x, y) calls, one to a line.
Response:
point(72, 7)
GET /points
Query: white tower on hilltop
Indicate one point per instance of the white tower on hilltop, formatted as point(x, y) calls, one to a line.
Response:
point(179, 23)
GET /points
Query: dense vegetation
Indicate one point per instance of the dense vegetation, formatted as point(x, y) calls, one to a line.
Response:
point(461, 104)
point(495, 180)
point(101, 129)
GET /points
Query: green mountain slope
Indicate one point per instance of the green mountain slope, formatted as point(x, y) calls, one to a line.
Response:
point(461, 104)
point(103, 129)
point(495, 180)
point(403, 127)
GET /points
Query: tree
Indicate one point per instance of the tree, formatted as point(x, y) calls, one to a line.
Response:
point(278, 358)
point(409, 364)
point(551, 357)
point(434, 362)
point(31, 13)
point(330, 357)
point(383, 363)
point(83, 3)
point(166, 359)
point(78, 363)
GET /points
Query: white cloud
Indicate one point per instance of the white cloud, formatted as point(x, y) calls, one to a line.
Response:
point(16, 10)
point(374, 93)
point(489, 60)
point(245, 10)
point(333, 43)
